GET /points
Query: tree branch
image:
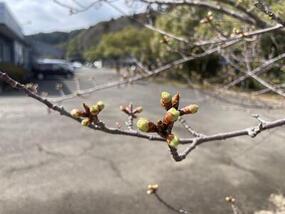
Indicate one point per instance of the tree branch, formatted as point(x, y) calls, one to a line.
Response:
point(261, 69)
point(148, 73)
point(259, 22)
point(207, 5)
point(194, 142)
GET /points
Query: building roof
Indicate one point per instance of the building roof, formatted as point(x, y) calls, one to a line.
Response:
point(8, 21)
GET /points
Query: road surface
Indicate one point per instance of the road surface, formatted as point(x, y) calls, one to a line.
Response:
point(51, 165)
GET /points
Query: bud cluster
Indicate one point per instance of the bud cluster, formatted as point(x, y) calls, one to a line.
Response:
point(164, 127)
point(90, 113)
point(130, 111)
point(152, 188)
point(230, 199)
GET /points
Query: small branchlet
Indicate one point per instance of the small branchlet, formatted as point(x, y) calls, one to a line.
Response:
point(90, 113)
point(164, 127)
point(266, 10)
point(232, 202)
point(132, 113)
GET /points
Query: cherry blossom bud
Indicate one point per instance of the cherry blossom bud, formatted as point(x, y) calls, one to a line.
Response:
point(146, 126)
point(76, 113)
point(191, 109)
point(175, 100)
point(94, 110)
point(142, 124)
point(173, 141)
point(230, 199)
point(165, 96)
point(85, 122)
point(166, 100)
point(171, 116)
point(101, 105)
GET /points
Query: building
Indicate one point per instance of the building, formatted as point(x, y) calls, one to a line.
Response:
point(13, 47)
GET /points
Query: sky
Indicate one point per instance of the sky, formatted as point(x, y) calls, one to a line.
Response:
point(36, 16)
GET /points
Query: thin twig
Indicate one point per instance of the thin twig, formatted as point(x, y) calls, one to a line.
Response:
point(188, 128)
point(257, 71)
point(148, 73)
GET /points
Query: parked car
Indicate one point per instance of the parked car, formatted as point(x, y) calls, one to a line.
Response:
point(77, 65)
point(48, 67)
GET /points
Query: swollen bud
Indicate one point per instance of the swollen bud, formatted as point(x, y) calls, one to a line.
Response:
point(173, 141)
point(191, 109)
point(166, 100)
point(146, 126)
point(100, 105)
point(171, 116)
point(165, 96)
point(85, 122)
point(76, 113)
point(94, 109)
point(143, 125)
point(175, 100)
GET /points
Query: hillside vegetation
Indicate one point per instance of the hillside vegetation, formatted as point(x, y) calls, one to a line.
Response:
point(76, 43)
point(124, 37)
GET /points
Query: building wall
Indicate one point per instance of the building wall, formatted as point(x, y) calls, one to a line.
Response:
point(8, 19)
point(13, 47)
point(18, 53)
point(6, 50)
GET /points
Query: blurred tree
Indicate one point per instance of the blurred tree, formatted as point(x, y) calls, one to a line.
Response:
point(130, 42)
point(73, 51)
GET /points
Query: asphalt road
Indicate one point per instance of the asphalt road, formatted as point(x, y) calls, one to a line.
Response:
point(51, 165)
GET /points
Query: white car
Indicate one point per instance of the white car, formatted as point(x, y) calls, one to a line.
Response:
point(77, 65)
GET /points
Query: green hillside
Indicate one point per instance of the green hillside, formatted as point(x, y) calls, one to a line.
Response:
point(75, 43)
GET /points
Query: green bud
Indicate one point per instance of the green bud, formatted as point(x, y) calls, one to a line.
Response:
point(194, 108)
point(174, 142)
point(175, 114)
point(166, 97)
point(143, 124)
point(85, 122)
point(94, 109)
point(75, 113)
point(101, 105)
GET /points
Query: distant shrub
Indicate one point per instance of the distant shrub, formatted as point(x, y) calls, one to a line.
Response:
point(16, 72)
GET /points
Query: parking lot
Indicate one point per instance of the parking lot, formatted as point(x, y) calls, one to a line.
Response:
point(49, 164)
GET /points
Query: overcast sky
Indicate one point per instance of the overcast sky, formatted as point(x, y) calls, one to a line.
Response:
point(45, 16)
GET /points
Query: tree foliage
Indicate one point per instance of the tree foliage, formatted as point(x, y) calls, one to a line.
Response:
point(129, 42)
